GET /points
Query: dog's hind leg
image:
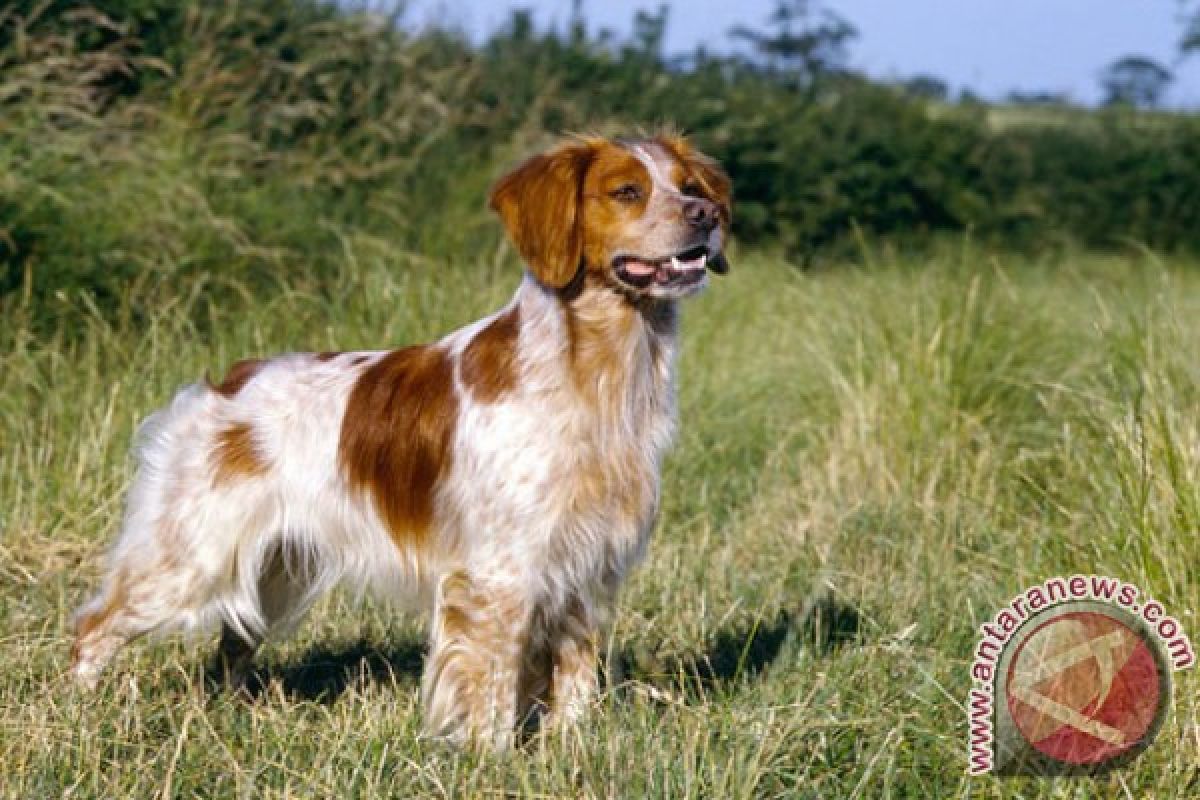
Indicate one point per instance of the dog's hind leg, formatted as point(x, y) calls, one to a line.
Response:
point(152, 589)
point(198, 529)
point(285, 591)
point(177, 565)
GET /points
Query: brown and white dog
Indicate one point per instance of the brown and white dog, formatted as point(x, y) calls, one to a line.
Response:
point(506, 476)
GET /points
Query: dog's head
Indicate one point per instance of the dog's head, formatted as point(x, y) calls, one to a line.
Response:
point(649, 216)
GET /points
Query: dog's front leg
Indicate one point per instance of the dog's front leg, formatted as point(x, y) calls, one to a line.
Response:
point(574, 651)
point(477, 644)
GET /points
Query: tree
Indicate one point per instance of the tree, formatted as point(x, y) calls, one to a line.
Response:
point(649, 32)
point(803, 43)
point(1135, 81)
point(926, 87)
point(1189, 42)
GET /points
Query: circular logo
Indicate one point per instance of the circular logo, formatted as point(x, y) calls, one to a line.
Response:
point(1087, 686)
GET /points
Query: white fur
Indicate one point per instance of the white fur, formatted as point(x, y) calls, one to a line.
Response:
point(548, 500)
point(192, 553)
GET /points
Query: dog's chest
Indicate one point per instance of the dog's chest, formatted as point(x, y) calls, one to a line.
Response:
point(552, 462)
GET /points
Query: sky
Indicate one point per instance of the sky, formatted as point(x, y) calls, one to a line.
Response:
point(989, 46)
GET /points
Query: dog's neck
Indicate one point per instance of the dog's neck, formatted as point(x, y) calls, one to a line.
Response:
point(618, 351)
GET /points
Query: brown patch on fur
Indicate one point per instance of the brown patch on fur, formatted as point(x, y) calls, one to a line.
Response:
point(612, 168)
point(489, 362)
point(600, 329)
point(359, 361)
point(605, 220)
point(396, 436)
point(237, 377)
point(327, 355)
point(236, 455)
point(539, 203)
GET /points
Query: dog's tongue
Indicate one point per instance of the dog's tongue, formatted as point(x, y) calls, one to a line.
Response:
point(639, 269)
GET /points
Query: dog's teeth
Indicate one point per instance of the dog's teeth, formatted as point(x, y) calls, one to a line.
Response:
point(675, 265)
point(703, 260)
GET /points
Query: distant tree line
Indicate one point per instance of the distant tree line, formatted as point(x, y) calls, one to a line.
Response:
point(283, 115)
point(1139, 81)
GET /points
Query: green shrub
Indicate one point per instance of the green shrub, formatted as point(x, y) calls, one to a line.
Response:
point(145, 142)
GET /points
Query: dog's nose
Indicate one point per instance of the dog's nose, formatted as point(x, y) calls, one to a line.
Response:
point(700, 213)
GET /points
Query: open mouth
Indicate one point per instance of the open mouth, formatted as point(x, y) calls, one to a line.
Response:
point(682, 269)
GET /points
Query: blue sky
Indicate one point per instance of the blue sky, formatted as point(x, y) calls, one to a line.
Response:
point(991, 46)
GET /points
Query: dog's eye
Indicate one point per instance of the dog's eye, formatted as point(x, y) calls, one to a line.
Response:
point(629, 193)
point(691, 189)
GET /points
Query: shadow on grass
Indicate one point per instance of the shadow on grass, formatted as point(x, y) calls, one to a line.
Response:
point(325, 672)
point(739, 653)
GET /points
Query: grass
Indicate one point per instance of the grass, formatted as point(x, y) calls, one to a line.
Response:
point(872, 460)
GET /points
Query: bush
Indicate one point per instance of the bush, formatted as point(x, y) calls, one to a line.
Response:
point(148, 141)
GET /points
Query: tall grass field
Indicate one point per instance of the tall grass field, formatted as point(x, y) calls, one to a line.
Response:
point(872, 460)
point(876, 452)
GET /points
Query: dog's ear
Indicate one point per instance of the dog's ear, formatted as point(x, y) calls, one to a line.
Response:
point(539, 203)
point(714, 183)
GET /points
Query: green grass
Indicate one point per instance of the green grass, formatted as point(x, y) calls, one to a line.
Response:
point(872, 459)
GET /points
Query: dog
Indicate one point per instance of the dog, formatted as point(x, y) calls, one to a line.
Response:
point(505, 478)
